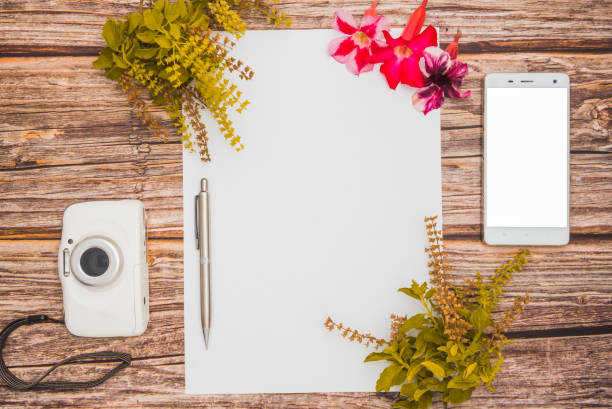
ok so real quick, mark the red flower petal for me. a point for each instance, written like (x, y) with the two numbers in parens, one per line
(372, 10)
(362, 59)
(393, 42)
(345, 47)
(391, 70)
(411, 72)
(428, 38)
(340, 48)
(344, 22)
(380, 54)
(453, 48)
(370, 29)
(415, 23)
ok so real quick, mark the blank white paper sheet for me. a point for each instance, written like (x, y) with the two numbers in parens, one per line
(321, 214)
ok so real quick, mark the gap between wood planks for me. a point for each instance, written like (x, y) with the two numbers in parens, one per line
(575, 238)
(515, 335)
(590, 46)
(173, 142)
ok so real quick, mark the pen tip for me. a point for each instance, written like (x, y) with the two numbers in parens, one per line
(204, 185)
(206, 336)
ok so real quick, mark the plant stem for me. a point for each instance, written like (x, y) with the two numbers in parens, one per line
(429, 311)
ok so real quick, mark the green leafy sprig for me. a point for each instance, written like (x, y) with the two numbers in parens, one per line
(456, 344)
(172, 51)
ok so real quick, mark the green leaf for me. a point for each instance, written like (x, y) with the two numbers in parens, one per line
(159, 5)
(457, 396)
(419, 352)
(130, 46)
(175, 31)
(146, 53)
(163, 42)
(119, 61)
(201, 21)
(406, 352)
(423, 287)
(413, 322)
(434, 368)
(377, 356)
(153, 19)
(414, 369)
(391, 348)
(425, 401)
(429, 293)
(114, 73)
(400, 377)
(441, 386)
(408, 389)
(160, 100)
(123, 27)
(464, 312)
(134, 20)
(105, 60)
(385, 380)
(171, 12)
(409, 292)
(146, 36)
(181, 8)
(195, 12)
(461, 383)
(429, 382)
(432, 336)
(480, 319)
(111, 34)
(470, 369)
(418, 393)
(453, 350)
(420, 345)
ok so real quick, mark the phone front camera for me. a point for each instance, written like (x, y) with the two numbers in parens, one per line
(554, 81)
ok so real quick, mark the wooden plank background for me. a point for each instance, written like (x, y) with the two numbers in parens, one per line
(67, 135)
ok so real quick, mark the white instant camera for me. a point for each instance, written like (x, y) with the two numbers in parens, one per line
(103, 268)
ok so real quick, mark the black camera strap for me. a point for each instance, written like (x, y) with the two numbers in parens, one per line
(17, 384)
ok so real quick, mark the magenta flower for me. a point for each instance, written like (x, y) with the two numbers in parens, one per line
(443, 76)
(354, 50)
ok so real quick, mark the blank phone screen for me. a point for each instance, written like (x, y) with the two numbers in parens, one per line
(526, 155)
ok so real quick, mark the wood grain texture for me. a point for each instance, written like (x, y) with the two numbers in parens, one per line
(537, 373)
(33, 200)
(29, 284)
(35, 93)
(67, 135)
(74, 27)
(80, 114)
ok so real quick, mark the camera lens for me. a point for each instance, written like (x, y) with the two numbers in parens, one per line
(554, 81)
(94, 262)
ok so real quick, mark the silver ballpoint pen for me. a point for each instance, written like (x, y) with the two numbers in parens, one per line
(203, 244)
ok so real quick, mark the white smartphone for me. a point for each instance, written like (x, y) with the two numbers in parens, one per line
(526, 159)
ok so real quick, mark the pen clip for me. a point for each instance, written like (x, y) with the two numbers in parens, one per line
(197, 232)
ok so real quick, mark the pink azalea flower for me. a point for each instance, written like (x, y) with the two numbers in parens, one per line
(354, 50)
(443, 76)
(400, 57)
